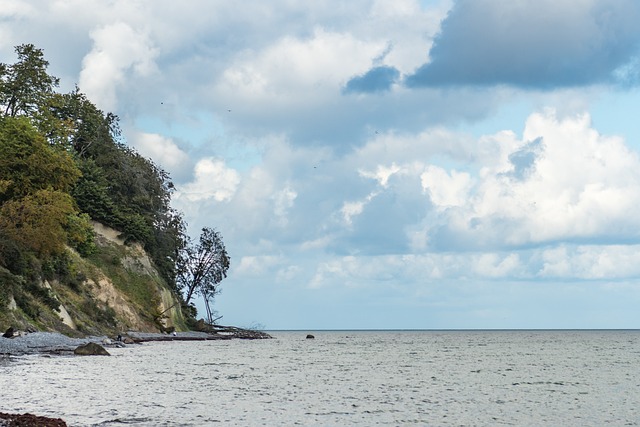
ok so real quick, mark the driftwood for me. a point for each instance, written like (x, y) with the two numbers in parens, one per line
(234, 332)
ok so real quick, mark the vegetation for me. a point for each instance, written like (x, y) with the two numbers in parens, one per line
(202, 266)
(63, 163)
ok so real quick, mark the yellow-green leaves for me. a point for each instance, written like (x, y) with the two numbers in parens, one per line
(28, 163)
(38, 220)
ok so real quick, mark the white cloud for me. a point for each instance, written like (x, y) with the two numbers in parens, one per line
(591, 262)
(561, 181)
(15, 9)
(351, 209)
(257, 266)
(316, 66)
(382, 173)
(283, 201)
(494, 266)
(213, 181)
(446, 189)
(118, 50)
(162, 150)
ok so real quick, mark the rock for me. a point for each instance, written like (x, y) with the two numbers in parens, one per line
(91, 349)
(128, 340)
(201, 326)
(26, 420)
(9, 333)
(310, 337)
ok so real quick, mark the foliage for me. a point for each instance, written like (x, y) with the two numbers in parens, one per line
(13, 256)
(8, 283)
(80, 234)
(29, 164)
(202, 267)
(38, 221)
(61, 268)
(92, 193)
(26, 84)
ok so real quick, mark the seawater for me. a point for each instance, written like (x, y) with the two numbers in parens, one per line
(343, 378)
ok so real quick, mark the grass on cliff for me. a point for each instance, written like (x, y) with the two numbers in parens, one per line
(140, 288)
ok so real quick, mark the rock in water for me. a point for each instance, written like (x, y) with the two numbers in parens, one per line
(310, 337)
(9, 333)
(91, 349)
(26, 420)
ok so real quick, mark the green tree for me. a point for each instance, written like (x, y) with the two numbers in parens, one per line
(202, 266)
(38, 221)
(28, 163)
(25, 85)
(71, 120)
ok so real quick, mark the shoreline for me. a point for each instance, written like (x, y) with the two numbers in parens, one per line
(55, 343)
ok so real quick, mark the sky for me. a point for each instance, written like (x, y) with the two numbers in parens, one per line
(373, 164)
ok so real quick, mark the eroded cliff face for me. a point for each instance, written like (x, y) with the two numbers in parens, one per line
(116, 290)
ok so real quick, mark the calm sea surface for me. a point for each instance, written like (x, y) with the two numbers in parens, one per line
(431, 378)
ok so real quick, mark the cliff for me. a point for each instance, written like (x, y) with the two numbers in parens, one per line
(115, 289)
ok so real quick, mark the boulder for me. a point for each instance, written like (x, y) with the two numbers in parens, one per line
(29, 420)
(310, 337)
(201, 326)
(9, 333)
(91, 349)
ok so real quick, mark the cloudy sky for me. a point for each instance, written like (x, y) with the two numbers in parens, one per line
(381, 164)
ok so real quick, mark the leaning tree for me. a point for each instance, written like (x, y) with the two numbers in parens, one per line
(201, 267)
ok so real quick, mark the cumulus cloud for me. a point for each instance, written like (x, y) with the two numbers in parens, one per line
(561, 181)
(446, 189)
(118, 50)
(163, 151)
(213, 181)
(314, 64)
(534, 44)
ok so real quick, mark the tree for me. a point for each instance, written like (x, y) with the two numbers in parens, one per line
(25, 85)
(202, 267)
(28, 163)
(39, 221)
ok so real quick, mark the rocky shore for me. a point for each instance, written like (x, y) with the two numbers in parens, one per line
(29, 420)
(43, 343)
(57, 343)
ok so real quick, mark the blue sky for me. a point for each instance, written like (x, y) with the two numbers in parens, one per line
(381, 164)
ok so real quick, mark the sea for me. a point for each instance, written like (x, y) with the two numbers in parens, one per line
(342, 378)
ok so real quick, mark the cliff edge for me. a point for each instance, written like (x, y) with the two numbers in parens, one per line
(115, 289)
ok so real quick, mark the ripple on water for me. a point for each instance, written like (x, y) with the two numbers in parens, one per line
(388, 378)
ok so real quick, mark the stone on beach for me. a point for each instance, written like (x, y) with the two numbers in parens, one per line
(91, 349)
